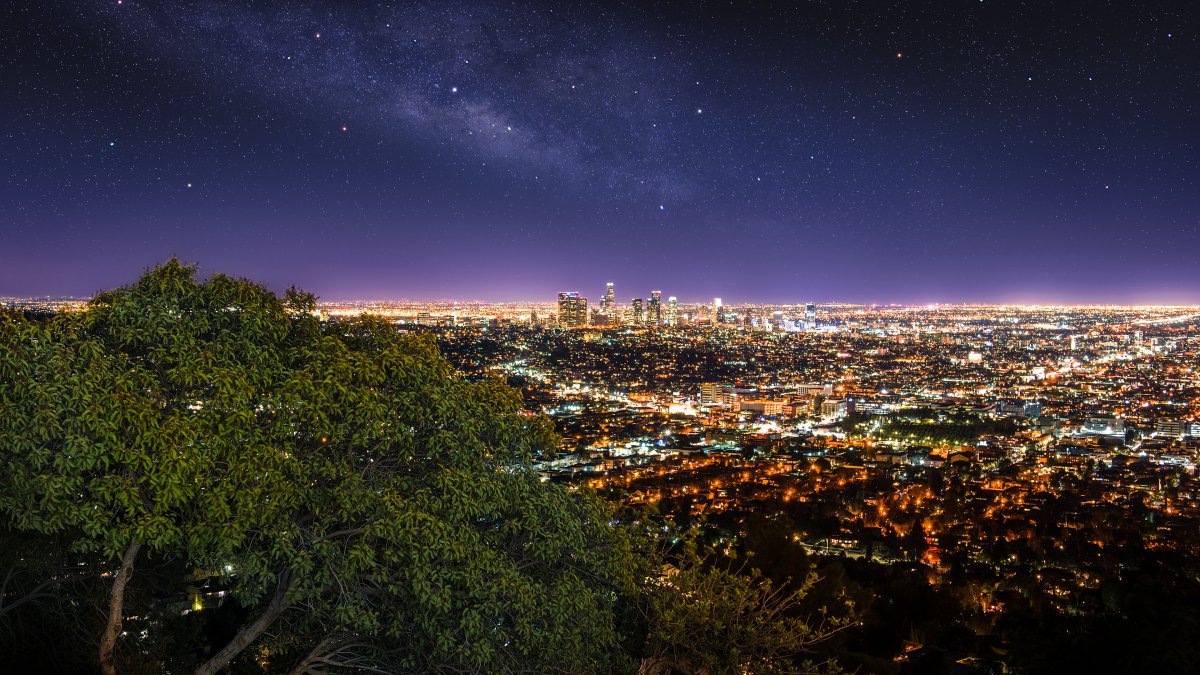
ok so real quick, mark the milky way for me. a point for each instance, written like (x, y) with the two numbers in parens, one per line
(906, 152)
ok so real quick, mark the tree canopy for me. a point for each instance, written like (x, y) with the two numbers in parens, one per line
(337, 468)
(235, 483)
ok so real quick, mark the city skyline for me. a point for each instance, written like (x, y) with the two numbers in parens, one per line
(550, 300)
(976, 152)
(667, 337)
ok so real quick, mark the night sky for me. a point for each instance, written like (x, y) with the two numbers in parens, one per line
(841, 151)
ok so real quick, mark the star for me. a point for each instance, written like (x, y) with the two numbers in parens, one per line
(592, 143)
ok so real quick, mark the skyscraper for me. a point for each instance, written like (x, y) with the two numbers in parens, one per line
(606, 304)
(672, 311)
(572, 310)
(717, 317)
(639, 312)
(654, 310)
(810, 316)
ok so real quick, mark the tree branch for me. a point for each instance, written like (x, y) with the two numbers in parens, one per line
(245, 637)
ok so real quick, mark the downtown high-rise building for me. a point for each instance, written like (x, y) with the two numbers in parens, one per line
(638, 312)
(810, 316)
(672, 311)
(608, 302)
(654, 309)
(717, 317)
(572, 310)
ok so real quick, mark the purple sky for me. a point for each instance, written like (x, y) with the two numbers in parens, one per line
(927, 152)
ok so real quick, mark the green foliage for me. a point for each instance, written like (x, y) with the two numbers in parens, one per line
(408, 514)
(707, 618)
(123, 421)
(337, 467)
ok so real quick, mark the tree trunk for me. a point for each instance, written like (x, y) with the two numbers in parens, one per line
(116, 611)
(249, 634)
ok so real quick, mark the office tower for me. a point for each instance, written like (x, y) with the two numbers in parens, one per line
(810, 316)
(572, 310)
(672, 311)
(609, 300)
(639, 312)
(717, 317)
(654, 310)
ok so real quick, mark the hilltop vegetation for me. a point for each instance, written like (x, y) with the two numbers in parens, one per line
(199, 475)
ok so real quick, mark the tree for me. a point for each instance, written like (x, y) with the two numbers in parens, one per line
(356, 496)
(44, 619)
(410, 519)
(119, 422)
(705, 619)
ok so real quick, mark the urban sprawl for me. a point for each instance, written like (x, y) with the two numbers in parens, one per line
(1031, 453)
